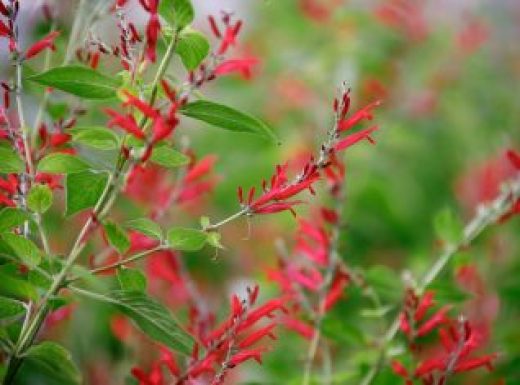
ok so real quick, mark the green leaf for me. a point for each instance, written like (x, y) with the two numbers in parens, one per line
(227, 118)
(131, 279)
(193, 47)
(12, 217)
(448, 291)
(96, 137)
(59, 163)
(52, 360)
(117, 237)
(145, 226)
(11, 162)
(83, 190)
(448, 227)
(80, 81)
(10, 309)
(168, 157)
(12, 286)
(39, 198)
(384, 281)
(58, 111)
(23, 248)
(150, 316)
(186, 239)
(178, 13)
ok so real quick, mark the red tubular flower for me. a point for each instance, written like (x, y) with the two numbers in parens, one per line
(336, 290)
(152, 34)
(437, 319)
(4, 200)
(229, 38)
(266, 310)
(514, 158)
(126, 122)
(255, 354)
(161, 129)
(425, 304)
(399, 369)
(202, 167)
(257, 335)
(428, 366)
(142, 106)
(59, 139)
(4, 30)
(272, 200)
(242, 66)
(404, 324)
(300, 327)
(475, 363)
(46, 42)
(356, 137)
(51, 180)
(365, 113)
(10, 185)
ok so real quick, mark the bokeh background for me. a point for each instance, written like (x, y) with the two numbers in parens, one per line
(448, 74)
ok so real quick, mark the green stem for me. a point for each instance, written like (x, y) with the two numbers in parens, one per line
(103, 205)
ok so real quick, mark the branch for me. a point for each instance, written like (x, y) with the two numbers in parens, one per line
(485, 217)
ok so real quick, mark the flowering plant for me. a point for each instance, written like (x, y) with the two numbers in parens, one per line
(104, 206)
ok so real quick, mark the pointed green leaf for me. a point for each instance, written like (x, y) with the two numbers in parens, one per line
(117, 237)
(10, 161)
(150, 316)
(145, 226)
(186, 239)
(59, 163)
(11, 217)
(80, 81)
(12, 286)
(23, 248)
(96, 137)
(39, 198)
(10, 309)
(227, 118)
(178, 13)
(131, 279)
(51, 360)
(193, 47)
(168, 157)
(83, 190)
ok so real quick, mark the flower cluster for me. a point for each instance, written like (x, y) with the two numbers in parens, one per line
(225, 347)
(458, 339)
(276, 193)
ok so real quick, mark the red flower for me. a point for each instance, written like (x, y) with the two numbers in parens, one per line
(59, 139)
(336, 290)
(242, 66)
(4, 30)
(126, 122)
(272, 200)
(229, 38)
(255, 354)
(46, 42)
(152, 29)
(354, 138)
(142, 106)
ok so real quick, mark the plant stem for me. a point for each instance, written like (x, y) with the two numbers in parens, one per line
(74, 33)
(103, 205)
(231, 218)
(484, 218)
